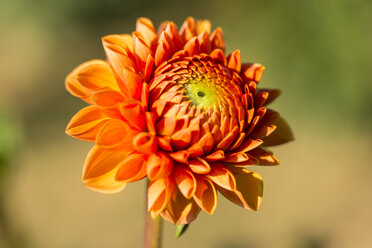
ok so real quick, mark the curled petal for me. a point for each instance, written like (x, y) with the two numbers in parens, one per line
(116, 133)
(281, 135)
(249, 188)
(132, 169)
(159, 165)
(205, 195)
(180, 156)
(263, 131)
(100, 169)
(192, 46)
(199, 166)
(131, 84)
(86, 123)
(185, 181)
(221, 176)
(145, 143)
(180, 210)
(159, 194)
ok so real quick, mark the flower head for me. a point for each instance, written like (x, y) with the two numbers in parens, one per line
(170, 106)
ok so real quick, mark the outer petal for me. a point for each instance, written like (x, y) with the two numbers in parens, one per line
(185, 181)
(221, 176)
(248, 193)
(132, 169)
(159, 165)
(252, 72)
(116, 134)
(90, 77)
(100, 169)
(180, 210)
(159, 194)
(86, 123)
(281, 135)
(146, 28)
(205, 195)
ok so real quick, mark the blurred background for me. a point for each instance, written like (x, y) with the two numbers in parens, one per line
(318, 53)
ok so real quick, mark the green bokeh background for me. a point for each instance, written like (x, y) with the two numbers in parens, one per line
(318, 53)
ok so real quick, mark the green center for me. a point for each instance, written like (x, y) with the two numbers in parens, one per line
(201, 93)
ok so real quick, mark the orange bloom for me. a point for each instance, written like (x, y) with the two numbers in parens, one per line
(170, 106)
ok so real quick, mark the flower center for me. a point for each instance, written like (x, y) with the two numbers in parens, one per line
(201, 93)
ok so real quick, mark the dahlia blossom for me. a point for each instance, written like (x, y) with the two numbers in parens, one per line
(172, 107)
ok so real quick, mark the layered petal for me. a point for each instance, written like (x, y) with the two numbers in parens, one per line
(100, 168)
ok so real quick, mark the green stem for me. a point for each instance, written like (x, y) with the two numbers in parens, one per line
(153, 229)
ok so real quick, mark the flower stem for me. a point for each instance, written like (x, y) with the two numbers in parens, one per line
(153, 229)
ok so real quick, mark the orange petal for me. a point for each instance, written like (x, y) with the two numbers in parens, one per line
(96, 75)
(107, 98)
(100, 168)
(159, 165)
(199, 166)
(132, 83)
(185, 181)
(89, 77)
(188, 29)
(159, 194)
(249, 188)
(192, 46)
(203, 26)
(116, 133)
(217, 39)
(133, 114)
(145, 143)
(180, 156)
(281, 135)
(147, 30)
(120, 53)
(234, 61)
(86, 123)
(248, 145)
(221, 176)
(180, 210)
(133, 168)
(273, 94)
(205, 195)
(263, 131)
(252, 72)
(264, 157)
(217, 155)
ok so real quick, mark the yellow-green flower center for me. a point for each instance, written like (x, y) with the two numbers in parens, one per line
(201, 93)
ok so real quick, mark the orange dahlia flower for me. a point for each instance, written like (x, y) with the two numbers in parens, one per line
(170, 106)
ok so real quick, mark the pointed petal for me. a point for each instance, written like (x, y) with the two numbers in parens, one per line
(281, 135)
(217, 39)
(252, 72)
(188, 29)
(221, 176)
(203, 26)
(264, 157)
(147, 30)
(199, 166)
(234, 61)
(86, 123)
(249, 188)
